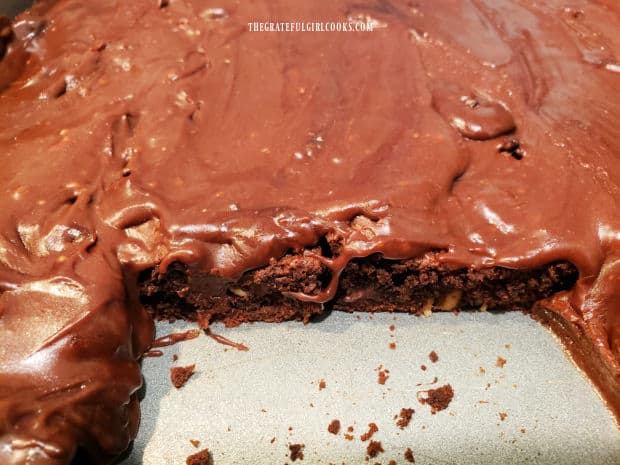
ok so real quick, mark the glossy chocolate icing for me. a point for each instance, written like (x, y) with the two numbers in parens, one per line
(145, 132)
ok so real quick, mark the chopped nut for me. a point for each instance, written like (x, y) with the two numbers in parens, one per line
(364, 226)
(238, 292)
(451, 300)
(427, 309)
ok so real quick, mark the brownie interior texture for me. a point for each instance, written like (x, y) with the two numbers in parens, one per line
(417, 285)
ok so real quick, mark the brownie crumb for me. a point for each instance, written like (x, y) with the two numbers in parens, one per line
(348, 437)
(195, 443)
(296, 451)
(392, 462)
(423, 367)
(405, 417)
(180, 375)
(503, 416)
(383, 374)
(199, 458)
(433, 357)
(374, 448)
(438, 399)
(523, 430)
(350, 429)
(273, 439)
(372, 429)
(334, 427)
(392, 327)
(500, 362)
(175, 357)
(409, 455)
(392, 345)
(322, 385)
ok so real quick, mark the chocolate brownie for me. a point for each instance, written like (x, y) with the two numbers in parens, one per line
(169, 159)
(368, 284)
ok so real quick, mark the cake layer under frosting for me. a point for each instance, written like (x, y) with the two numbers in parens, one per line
(141, 133)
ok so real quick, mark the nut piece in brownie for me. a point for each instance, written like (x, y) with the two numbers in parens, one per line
(418, 285)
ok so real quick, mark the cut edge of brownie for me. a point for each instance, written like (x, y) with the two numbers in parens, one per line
(371, 284)
(584, 353)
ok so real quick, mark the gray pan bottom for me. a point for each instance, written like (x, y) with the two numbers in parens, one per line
(237, 402)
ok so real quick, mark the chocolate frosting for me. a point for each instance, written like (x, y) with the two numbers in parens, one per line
(145, 132)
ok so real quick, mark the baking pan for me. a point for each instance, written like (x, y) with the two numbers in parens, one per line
(517, 396)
